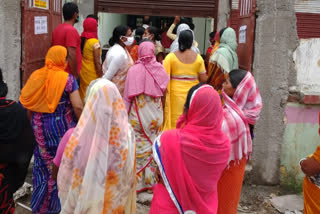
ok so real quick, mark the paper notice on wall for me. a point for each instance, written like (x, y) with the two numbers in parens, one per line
(243, 34)
(41, 4)
(40, 25)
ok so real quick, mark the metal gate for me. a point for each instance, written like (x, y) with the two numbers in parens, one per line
(39, 18)
(243, 21)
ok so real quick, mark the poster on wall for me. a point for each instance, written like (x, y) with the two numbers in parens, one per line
(242, 34)
(40, 25)
(43, 4)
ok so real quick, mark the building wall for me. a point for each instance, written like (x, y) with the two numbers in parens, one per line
(275, 41)
(203, 26)
(10, 45)
(301, 138)
(107, 22)
(307, 60)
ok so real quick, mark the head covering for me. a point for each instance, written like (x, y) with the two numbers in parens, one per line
(226, 56)
(99, 159)
(175, 45)
(147, 76)
(44, 88)
(90, 28)
(217, 36)
(240, 111)
(191, 158)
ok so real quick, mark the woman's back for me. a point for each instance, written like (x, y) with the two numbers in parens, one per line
(87, 54)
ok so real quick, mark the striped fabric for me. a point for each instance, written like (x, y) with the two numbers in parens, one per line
(240, 111)
(48, 130)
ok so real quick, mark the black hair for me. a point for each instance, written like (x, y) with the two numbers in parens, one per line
(146, 22)
(156, 32)
(3, 86)
(69, 9)
(190, 93)
(221, 31)
(185, 40)
(212, 34)
(236, 76)
(138, 34)
(83, 42)
(187, 21)
(119, 31)
(93, 16)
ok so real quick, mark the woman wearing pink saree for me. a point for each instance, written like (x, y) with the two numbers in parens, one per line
(145, 86)
(192, 157)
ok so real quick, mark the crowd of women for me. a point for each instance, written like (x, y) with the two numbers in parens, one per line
(156, 122)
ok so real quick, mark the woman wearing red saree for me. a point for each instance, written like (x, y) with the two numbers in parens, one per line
(192, 157)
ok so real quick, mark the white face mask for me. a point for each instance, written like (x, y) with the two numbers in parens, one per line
(129, 41)
(146, 38)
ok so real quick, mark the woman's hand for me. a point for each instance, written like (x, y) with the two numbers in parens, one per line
(176, 20)
(310, 166)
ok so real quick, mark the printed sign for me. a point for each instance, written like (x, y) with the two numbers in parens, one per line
(40, 25)
(242, 34)
(41, 4)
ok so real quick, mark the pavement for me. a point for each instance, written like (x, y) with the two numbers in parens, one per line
(254, 200)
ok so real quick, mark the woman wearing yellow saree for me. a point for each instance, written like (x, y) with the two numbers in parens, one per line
(185, 69)
(90, 46)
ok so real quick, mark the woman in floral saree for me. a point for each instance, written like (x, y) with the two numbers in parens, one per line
(146, 83)
(97, 171)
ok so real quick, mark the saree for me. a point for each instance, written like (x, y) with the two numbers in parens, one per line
(88, 71)
(182, 78)
(97, 171)
(191, 158)
(45, 86)
(116, 65)
(240, 111)
(146, 83)
(16, 147)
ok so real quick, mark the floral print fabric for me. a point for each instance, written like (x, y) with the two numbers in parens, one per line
(146, 117)
(97, 172)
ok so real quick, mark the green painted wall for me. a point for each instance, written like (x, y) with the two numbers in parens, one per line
(300, 140)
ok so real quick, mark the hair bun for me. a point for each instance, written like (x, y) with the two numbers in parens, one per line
(111, 41)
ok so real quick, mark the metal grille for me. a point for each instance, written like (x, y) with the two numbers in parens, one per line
(245, 7)
(308, 6)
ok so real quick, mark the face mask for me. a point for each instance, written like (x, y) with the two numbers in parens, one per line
(78, 18)
(146, 38)
(129, 41)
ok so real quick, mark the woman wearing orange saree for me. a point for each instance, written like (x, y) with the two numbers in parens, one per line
(224, 58)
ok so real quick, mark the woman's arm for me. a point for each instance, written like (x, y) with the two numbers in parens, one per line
(96, 56)
(310, 166)
(76, 103)
(118, 62)
(170, 30)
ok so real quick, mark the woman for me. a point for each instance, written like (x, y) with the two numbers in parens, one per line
(52, 95)
(224, 59)
(242, 107)
(175, 45)
(16, 147)
(138, 37)
(118, 60)
(153, 34)
(91, 50)
(145, 86)
(99, 159)
(192, 157)
(311, 184)
(185, 69)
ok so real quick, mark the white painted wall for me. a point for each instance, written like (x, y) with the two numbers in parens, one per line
(107, 22)
(203, 26)
(307, 60)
